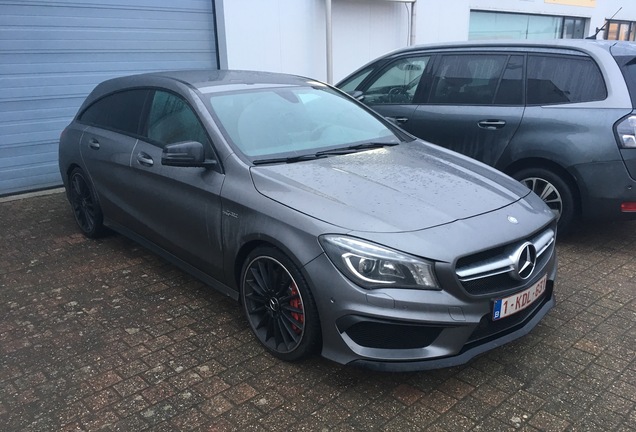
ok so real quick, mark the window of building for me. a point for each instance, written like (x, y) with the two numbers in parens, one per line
(620, 30)
(504, 25)
(561, 79)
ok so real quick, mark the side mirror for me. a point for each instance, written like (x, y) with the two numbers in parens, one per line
(185, 154)
(357, 94)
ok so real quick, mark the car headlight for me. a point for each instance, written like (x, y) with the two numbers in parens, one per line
(373, 266)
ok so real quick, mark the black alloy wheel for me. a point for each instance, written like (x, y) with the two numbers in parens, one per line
(86, 209)
(278, 305)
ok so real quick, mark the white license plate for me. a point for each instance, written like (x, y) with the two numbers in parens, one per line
(510, 305)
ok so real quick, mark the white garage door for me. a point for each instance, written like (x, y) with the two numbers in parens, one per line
(53, 53)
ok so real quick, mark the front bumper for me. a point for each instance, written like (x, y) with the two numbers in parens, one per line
(408, 329)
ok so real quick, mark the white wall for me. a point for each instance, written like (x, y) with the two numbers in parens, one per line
(275, 35)
(289, 35)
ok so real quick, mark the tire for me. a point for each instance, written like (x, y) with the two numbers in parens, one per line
(278, 305)
(554, 191)
(88, 214)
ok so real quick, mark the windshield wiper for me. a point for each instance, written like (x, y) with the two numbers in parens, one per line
(324, 153)
(290, 159)
(356, 147)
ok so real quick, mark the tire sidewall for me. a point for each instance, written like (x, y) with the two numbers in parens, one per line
(564, 189)
(98, 227)
(311, 337)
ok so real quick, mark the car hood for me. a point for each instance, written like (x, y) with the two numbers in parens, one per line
(408, 187)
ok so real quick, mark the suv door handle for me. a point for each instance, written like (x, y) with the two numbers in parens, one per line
(93, 143)
(491, 124)
(145, 159)
(398, 120)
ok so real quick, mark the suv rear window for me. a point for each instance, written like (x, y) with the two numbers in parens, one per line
(627, 65)
(562, 79)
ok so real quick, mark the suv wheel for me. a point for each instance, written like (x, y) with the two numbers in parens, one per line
(554, 191)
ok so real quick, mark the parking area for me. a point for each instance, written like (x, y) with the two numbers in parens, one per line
(106, 335)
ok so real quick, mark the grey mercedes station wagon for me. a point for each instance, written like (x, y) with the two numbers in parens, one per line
(338, 232)
(557, 115)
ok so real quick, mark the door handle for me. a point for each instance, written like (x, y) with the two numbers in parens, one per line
(398, 120)
(491, 124)
(145, 159)
(93, 143)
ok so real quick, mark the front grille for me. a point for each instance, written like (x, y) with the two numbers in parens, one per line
(388, 335)
(492, 271)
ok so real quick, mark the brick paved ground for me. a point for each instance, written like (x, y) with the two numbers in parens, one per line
(105, 335)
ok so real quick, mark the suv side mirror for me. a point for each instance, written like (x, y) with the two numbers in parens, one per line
(357, 94)
(185, 154)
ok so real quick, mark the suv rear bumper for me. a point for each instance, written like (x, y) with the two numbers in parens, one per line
(604, 187)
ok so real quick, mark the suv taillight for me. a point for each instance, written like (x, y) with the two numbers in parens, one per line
(626, 131)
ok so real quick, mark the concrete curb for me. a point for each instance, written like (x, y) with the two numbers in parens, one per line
(31, 194)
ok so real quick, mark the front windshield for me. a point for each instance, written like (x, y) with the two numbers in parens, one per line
(294, 120)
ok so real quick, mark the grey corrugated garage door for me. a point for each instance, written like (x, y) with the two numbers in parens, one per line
(52, 54)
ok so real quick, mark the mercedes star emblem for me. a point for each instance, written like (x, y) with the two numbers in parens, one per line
(524, 260)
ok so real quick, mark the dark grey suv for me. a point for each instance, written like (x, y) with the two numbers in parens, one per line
(556, 115)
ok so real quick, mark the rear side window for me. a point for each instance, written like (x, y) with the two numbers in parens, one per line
(510, 91)
(560, 80)
(119, 111)
(628, 68)
(467, 79)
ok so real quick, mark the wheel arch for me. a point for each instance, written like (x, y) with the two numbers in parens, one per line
(253, 243)
(66, 178)
(551, 166)
(242, 254)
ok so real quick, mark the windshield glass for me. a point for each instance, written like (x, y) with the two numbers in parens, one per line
(292, 121)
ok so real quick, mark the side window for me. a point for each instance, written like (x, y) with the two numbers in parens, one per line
(172, 120)
(559, 79)
(352, 83)
(510, 91)
(119, 111)
(467, 79)
(398, 83)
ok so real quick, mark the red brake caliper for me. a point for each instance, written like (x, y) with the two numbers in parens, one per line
(297, 304)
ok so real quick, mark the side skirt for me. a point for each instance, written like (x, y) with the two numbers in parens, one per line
(202, 276)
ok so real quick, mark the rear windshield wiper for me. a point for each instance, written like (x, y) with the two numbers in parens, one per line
(290, 159)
